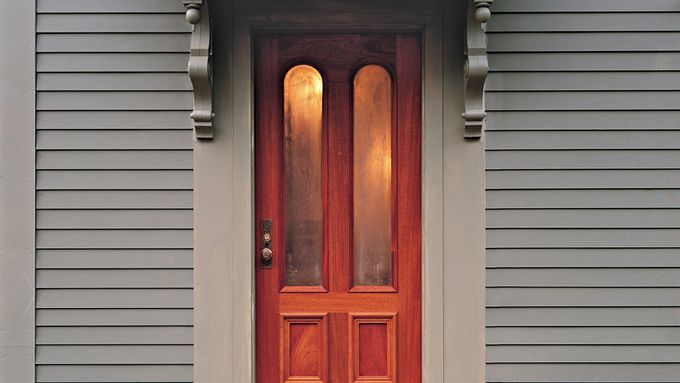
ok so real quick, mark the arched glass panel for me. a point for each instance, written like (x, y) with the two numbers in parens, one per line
(372, 177)
(302, 157)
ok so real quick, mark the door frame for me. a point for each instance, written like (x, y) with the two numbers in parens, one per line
(452, 187)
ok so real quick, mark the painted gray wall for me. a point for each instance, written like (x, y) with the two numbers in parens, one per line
(114, 192)
(582, 191)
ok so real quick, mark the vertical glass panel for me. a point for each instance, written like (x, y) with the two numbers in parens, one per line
(302, 151)
(372, 177)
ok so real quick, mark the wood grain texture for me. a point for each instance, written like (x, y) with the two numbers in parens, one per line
(337, 57)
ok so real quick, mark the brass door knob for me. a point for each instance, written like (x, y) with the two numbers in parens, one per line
(267, 254)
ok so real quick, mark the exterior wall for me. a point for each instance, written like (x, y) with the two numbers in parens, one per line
(114, 192)
(582, 192)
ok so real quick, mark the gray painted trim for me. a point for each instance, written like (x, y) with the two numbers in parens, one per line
(453, 198)
(17, 192)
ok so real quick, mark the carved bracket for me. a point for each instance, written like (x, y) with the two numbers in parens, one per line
(200, 66)
(476, 67)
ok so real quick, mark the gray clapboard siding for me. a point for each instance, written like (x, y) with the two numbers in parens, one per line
(74, 259)
(583, 191)
(114, 239)
(586, 42)
(582, 238)
(114, 81)
(575, 198)
(584, 335)
(582, 159)
(114, 159)
(125, 23)
(582, 218)
(148, 317)
(114, 207)
(114, 139)
(114, 335)
(126, 120)
(114, 199)
(582, 258)
(583, 61)
(107, 6)
(582, 22)
(112, 62)
(579, 6)
(114, 219)
(583, 372)
(583, 179)
(102, 100)
(579, 81)
(114, 354)
(641, 100)
(122, 373)
(114, 179)
(114, 298)
(583, 353)
(583, 297)
(110, 43)
(583, 277)
(534, 140)
(583, 120)
(576, 317)
(120, 278)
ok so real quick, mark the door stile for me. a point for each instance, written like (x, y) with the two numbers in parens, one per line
(409, 204)
(268, 205)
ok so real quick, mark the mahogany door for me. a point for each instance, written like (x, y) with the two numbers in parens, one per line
(338, 228)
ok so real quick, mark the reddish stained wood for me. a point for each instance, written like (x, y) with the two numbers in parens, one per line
(336, 57)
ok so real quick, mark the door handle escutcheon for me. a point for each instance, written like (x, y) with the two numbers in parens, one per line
(266, 254)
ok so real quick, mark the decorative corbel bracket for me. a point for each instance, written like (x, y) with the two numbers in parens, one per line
(476, 67)
(200, 66)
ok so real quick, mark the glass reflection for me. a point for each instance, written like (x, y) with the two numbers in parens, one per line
(302, 126)
(372, 177)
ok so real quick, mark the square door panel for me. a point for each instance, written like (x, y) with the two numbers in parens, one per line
(304, 348)
(373, 347)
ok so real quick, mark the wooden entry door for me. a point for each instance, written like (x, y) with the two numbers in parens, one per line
(338, 208)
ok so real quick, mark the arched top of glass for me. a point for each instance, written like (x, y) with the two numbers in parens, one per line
(303, 77)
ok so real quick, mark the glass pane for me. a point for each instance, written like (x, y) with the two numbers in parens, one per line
(372, 177)
(302, 150)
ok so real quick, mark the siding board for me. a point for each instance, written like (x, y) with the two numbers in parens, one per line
(583, 192)
(127, 120)
(114, 354)
(114, 179)
(68, 259)
(114, 199)
(122, 373)
(112, 62)
(114, 260)
(114, 159)
(114, 335)
(114, 298)
(115, 317)
(641, 21)
(114, 81)
(113, 139)
(125, 23)
(111, 43)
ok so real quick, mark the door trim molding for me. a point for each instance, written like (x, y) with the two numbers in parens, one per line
(452, 182)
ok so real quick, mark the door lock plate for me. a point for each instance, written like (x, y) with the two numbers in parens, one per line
(266, 254)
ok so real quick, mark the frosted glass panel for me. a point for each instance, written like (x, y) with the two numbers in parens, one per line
(302, 147)
(372, 177)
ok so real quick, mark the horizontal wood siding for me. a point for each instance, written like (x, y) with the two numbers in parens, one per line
(114, 192)
(583, 191)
